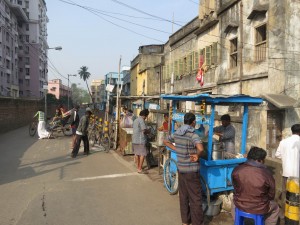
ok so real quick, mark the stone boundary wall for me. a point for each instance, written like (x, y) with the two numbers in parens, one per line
(15, 113)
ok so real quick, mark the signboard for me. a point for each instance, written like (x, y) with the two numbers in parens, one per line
(109, 87)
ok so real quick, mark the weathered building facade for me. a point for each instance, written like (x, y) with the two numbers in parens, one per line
(242, 47)
(144, 79)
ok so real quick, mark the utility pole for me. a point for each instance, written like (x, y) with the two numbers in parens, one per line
(117, 107)
(45, 87)
(107, 101)
(172, 84)
(240, 51)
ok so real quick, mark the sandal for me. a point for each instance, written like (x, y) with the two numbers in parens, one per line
(143, 172)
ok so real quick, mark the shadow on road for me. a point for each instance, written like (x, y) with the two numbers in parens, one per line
(22, 156)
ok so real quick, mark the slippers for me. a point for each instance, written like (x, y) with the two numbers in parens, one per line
(143, 172)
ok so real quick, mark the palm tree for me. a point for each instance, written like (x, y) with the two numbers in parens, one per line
(84, 75)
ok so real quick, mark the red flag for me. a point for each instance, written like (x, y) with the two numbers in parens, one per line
(200, 73)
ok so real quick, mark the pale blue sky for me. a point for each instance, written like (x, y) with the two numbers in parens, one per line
(88, 40)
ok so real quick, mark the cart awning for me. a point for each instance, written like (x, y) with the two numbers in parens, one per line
(280, 101)
(215, 99)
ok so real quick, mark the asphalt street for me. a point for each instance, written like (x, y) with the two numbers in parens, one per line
(40, 184)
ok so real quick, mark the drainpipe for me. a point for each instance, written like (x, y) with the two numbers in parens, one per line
(241, 47)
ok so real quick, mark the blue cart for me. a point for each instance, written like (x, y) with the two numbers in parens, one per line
(215, 174)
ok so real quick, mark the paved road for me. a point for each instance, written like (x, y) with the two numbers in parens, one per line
(41, 185)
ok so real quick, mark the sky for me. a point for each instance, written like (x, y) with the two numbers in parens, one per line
(96, 33)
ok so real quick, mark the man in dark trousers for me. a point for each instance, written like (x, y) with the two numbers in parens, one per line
(188, 149)
(254, 187)
(82, 134)
(74, 121)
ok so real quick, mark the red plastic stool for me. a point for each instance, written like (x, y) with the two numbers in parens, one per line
(241, 215)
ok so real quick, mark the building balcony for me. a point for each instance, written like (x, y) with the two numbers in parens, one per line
(18, 11)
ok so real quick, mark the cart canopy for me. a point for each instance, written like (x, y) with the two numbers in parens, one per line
(215, 99)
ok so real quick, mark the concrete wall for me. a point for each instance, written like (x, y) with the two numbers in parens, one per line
(15, 113)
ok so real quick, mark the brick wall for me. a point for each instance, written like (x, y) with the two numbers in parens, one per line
(15, 113)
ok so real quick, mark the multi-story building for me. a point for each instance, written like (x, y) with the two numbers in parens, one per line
(112, 80)
(11, 14)
(57, 88)
(23, 48)
(242, 47)
(144, 79)
(95, 90)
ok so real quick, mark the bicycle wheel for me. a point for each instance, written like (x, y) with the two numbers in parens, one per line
(92, 139)
(32, 128)
(105, 142)
(67, 130)
(170, 176)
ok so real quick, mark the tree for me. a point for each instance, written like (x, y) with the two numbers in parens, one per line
(79, 95)
(84, 75)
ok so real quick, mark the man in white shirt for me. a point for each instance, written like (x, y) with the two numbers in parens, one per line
(289, 151)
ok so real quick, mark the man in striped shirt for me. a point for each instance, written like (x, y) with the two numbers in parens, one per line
(188, 150)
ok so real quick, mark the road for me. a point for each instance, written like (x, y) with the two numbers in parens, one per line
(40, 184)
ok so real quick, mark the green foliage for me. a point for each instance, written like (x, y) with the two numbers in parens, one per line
(84, 75)
(79, 95)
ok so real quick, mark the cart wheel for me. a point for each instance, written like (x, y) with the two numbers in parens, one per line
(171, 176)
(206, 188)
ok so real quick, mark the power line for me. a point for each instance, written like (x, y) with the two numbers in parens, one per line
(130, 22)
(143, 12)
(74, 4)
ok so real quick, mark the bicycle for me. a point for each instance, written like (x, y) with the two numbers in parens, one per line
(61, 126)
(95, 132)
(33, 127)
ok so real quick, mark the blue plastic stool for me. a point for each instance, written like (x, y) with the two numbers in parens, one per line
(241, 215)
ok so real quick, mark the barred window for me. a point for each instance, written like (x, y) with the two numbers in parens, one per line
(261, 43)
(233, 52)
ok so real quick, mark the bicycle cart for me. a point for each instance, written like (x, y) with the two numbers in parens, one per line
(215, 173)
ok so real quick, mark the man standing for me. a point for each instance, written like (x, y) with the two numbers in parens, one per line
(82, 134)
(254, 187)
(74, 121)
(289, 151)
(139, 140)
(226, 133)
(188, 149)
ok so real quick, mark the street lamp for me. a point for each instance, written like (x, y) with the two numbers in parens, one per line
(69, 75)
(59, 48)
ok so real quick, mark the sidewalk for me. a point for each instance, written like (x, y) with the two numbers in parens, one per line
(224, 218)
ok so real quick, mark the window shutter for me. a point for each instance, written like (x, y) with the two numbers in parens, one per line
(214, 55)
(196, 60)
(180, 66)
(208, 55)
(176, 68)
